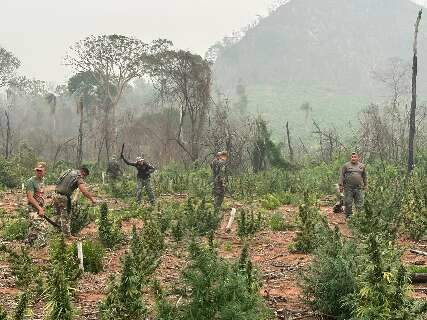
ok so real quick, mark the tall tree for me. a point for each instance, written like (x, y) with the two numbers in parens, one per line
(113, 61)
(8, 65)
(32, 91)
(412, 127)
(186, 79)
(80, 136)
(291, 150)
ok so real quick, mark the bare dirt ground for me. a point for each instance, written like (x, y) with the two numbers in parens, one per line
(278, 267)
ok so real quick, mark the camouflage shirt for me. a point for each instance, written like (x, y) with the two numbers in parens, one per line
(218, 169)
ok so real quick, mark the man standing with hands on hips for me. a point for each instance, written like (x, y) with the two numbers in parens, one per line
(353, 181)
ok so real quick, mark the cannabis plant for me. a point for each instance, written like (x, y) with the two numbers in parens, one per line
(109, 234)
(124, 297)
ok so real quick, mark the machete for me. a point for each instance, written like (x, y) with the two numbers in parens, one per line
(57, 226)
(123, 147)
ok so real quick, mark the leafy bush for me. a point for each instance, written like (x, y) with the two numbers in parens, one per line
(310, 224)
(287, 198)
(109, 234)
(133, 211)
(21, 307)
(93, 254)
(383, 285)
(382, 207)
(331, 276)
(26, 272)
(200, 217)
(270, 202)
(414, 207)
(218, 290)
(146, 249)
(176, 179)
(121, 189)
(63, 254)
(80, 218)
(248, 223)
(9, 174)
(124, 297)
(177, 231)
(63, 270)
(249, 185)
(15, 229)
(165, 215)
(277, 222)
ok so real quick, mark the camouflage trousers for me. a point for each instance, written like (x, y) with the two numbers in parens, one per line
(352, 194)
(38, 230)
(145, 183)
(62, 206)
(218, 193)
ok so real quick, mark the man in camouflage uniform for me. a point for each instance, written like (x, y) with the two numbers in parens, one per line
(218, 174)
(114, 171)
(353, 180)
(142, 178)
(37, 233)
(68, 182)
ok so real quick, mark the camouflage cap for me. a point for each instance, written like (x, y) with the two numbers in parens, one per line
(141, 158)
(40, 166)
(222, 153)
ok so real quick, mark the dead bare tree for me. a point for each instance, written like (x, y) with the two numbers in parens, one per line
(328, 140)
(186, 79)
(412, 124)
(59, 148)
(291, 150)
(80, 136)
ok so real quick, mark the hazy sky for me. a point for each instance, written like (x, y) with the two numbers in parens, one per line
(39, 32)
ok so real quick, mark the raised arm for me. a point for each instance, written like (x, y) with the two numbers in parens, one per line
(133, 164)
(151, 169)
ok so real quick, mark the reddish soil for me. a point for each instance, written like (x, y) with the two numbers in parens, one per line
(279, 268)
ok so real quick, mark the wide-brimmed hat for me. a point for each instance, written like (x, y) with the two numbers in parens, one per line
(138, 159)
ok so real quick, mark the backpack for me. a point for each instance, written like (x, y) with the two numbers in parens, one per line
(66, 183)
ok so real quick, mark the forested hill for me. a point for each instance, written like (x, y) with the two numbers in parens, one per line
(322, 52)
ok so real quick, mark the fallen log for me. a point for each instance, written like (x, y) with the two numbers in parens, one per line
(419, 278)
(420, 289)
(422, 253)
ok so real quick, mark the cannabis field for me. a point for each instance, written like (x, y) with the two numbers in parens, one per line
(286, 255)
